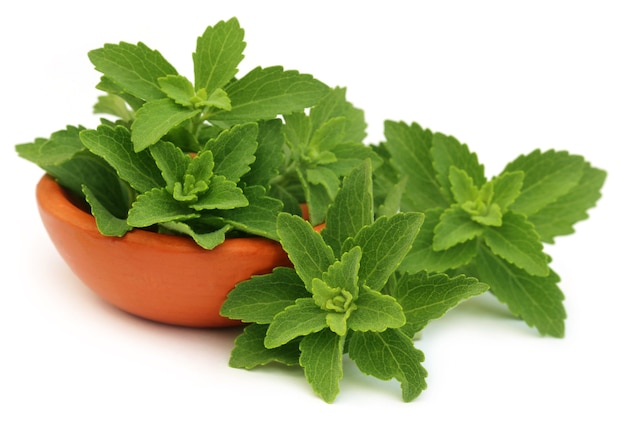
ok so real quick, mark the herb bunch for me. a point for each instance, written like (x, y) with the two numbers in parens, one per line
(344, 295)
(493, 229)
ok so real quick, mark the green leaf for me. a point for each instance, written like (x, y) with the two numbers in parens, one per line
(390, 354)
(334, 104)
(258, 217)
(317, 200)
(114, 105)
(343, 274)
(269, 154)
(324, 177)
(517, 242)
(410, 150)
(261, 298)
(264, 93)
(559, 217)
(205, 239)
(455, 226)
(233, 150)
(425, 297)
(326, 137)
(157, 206)
(422, 256)
(385, 243)
(300, 319)
(352, 208)
(112, 88)
(179, 89)
(537, 300)
(506, 188)
(172, 162)
(155, 119)
(376, 312)
(218, 53)
(462, 185)
(107, 223)
(114, 145)
(447, 152)
(308, 252)
(134, 68)
(221, 194)
(250, 352)
(60, 147)
(547, 176)
(322, 359)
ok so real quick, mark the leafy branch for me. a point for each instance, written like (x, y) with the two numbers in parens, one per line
(493, 229)
(344, 295)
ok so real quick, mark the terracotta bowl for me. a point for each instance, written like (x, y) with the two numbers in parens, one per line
(164, 278)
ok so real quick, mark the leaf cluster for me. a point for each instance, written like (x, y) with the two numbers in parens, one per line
(209, 157)
(344, 296)
(493, 229)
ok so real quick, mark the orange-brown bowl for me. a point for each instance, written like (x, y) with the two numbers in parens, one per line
(160, 277)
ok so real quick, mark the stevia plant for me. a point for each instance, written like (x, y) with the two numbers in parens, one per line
(344, 295)
(218, 156)
(412, 226)
(493, 229)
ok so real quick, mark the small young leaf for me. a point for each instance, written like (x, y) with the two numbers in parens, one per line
(461, 185)
(343, 274)
(425, 297)
(179, 89)
(218, 53)
(390, 354)
(506, 188)
(114, 145)
(455, 226)
(250, 352)
(261, 298)
(155, 119)
(323, 349)
(172, 162)
(537, 300)
(134, 68)
(157, 206)
(221, 194)
(447, 152)
(422, 256)
(308, 252)
(300, 319)
(517, 242)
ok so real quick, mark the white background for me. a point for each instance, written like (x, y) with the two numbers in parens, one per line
(504, 77)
